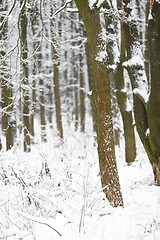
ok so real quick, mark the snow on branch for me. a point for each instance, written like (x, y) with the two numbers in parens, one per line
(97, 3)
(38, 220)
(63, 7)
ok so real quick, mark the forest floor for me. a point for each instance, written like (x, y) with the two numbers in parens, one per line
(54, 193)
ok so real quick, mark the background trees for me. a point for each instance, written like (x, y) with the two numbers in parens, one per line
(46, 70)
(8, 121)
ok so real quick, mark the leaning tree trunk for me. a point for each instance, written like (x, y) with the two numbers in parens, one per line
(154, 100)
(147, 111)
(101, 103)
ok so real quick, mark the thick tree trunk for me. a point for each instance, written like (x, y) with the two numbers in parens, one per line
(101, 104)
(154, 100)
(147, 113)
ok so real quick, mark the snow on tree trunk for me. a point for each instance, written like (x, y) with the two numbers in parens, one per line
(146, 106)
(116, 58)
(101, 103)
(154, 100)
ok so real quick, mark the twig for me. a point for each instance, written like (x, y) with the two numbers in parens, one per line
(8, 236)
(41, 221)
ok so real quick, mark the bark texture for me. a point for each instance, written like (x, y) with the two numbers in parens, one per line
(147, 113)
(153, 108)
(101, 103)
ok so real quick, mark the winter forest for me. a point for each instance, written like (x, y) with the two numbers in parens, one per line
(79, 119)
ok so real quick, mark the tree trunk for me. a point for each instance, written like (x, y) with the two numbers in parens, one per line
(147, 111)
(24, 67)
(42, 109)
(8, 121)
(33, 18)
(56, 62)
(101, 104)
(117, 76)
(57, 99)
(82, 95)
(8, 118)
(154, 100)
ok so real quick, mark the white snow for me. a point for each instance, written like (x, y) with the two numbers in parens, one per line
(35, 205)
(137, 59)
(101, 56)
(92, 2)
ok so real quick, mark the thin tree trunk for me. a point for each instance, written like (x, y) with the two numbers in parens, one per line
(56, 62)
(126, 112)
(57, 99)
(33, 14)
(25, 74)
(42, 109)
(37, 70)
(8, 118)
(82, 93)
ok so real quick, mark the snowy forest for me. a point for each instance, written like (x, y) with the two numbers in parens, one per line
(79, 119)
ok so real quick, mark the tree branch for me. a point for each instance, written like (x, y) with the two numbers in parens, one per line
(63, 7)
(38, 220)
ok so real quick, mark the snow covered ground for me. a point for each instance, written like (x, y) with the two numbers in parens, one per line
(54, 193)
